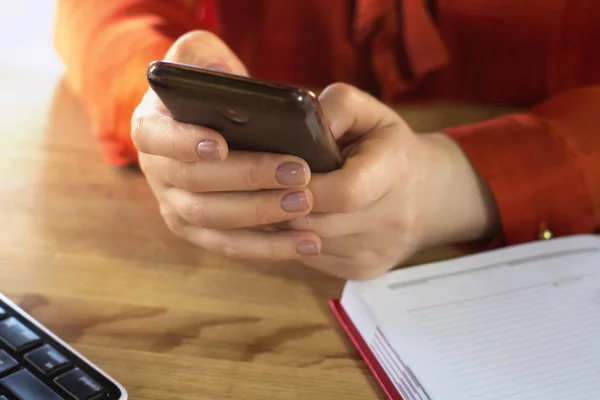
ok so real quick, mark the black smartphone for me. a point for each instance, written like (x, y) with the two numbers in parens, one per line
(251, 114)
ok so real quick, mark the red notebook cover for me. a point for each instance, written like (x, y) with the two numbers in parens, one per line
(365, 352)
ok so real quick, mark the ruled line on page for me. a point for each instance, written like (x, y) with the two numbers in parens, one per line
(506, 358)
(549, 391)
(485, 339)
(507, 346)
(463, 334)
(524, 366)
(483, 308)
(495, 369)
(589, 393)
(508, 349)
(507, 366)
(500, 351)
(502, 293)
(502, 304)
(511, 264)
(478, 327)
(535, 296)
(545, 330)
(526, 328)
(543, 376)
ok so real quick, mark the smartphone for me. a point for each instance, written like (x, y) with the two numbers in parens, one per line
(251, 114)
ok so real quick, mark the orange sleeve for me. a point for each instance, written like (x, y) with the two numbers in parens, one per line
(543, 166)
(106, 47)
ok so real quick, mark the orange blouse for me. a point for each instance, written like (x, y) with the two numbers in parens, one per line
(543, 166)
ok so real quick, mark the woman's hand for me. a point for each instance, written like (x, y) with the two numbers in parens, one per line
(224, 201)
(396, 193)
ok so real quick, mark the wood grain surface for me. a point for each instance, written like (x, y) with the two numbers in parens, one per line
(84, 250)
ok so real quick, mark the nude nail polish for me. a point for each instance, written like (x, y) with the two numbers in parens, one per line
(290, 174)
(308, 248)
(294, 202)
(209, 150)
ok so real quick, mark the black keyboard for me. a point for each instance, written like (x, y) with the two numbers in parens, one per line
(37, 365)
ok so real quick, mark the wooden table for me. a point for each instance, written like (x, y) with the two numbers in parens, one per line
(84, 250)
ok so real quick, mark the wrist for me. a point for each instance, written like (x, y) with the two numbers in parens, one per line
(462, 206)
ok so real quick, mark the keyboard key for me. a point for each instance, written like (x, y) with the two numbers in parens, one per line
(6, 362)
(47, 359)
(25, 386)
(79, 385)
(16, 335)
(2, 314)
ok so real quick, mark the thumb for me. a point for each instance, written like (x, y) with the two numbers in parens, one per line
(368, 173)
(351, 112)
(205, 49)
(375, 134)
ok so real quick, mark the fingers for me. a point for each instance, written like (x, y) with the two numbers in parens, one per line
(171, 154)
(203, 48)
(247, 243)
(153, 131)
(242, 171)
(366, 176)
(371, 168)
(360, 257)
(330, 225)
(352, 112)
(238, 210)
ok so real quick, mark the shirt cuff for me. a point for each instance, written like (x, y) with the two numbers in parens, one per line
(536, 182)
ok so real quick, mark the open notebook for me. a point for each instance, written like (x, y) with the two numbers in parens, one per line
(521, 323)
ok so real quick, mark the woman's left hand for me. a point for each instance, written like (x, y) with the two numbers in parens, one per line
(397, 192)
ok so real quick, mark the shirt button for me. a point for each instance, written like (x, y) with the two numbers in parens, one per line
(545, 233)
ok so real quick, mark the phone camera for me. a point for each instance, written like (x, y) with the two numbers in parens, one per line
(237, 117)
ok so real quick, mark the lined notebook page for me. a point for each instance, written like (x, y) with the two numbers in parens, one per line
(519, 324)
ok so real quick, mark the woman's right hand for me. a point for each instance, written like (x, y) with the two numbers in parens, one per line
(209, 195)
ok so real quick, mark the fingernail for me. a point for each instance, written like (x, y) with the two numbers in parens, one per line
(294, 202)
(308, 248)
(290, 174)
(216, 67)
(209, 150)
